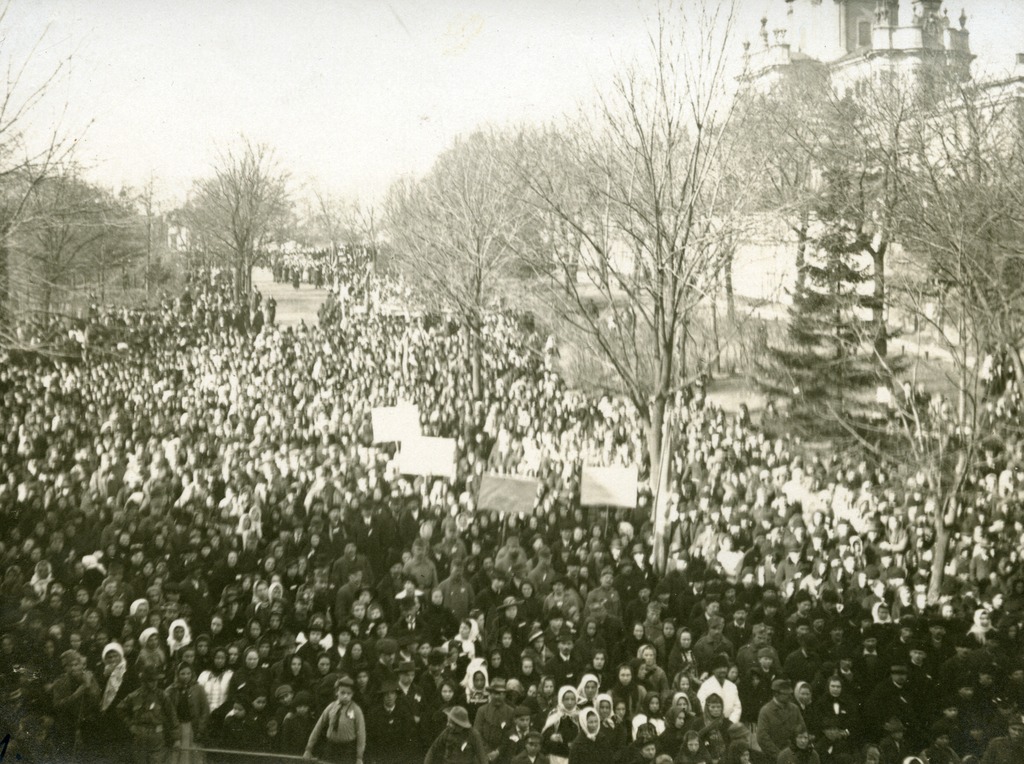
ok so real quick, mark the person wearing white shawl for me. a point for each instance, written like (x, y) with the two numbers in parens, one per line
(112, 736)
(178, 636)
(587, 690)
(475, 685)
(114, 668)
(468, 637)
(561, 727)
(589, 746)
(981, 627)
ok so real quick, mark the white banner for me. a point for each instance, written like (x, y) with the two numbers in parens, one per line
(395, 423)
(428, 456)
(608, 487)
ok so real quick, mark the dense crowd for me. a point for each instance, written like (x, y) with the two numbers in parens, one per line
(202, 548)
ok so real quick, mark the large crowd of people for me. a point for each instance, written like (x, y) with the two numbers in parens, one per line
(203, 551)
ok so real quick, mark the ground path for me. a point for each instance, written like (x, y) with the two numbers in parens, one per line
(293, 305)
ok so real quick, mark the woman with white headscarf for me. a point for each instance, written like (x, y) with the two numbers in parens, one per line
(589, 746)
(981, 627)
(561, 727)
(117, 683)
(474, 684)
(150, 651)
(178, 636)
(587, 691)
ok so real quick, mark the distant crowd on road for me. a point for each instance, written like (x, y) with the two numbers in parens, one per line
(202, 548)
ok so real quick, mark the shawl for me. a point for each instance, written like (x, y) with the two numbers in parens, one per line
(116, 676)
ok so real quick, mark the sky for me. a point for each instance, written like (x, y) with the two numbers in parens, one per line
(350, 93)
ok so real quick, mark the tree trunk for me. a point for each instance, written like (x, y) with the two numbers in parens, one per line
(5, 281)
(801, 255)
(654, 430)
(730, 296)
(878, 304)
(939, 551)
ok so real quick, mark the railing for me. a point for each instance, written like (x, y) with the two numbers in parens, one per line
(227, 753)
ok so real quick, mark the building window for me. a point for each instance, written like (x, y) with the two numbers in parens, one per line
(863, 34)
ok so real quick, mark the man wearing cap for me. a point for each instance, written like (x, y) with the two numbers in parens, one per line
(391, 733)
(342, 726)
(1010, 748)
(495, 719)
(458, 743)
(457, 591)
(719, 684)
(778, 720)
(384, 668)
(531, 750)
(748, 655)
(890, 698)
(151, 718)
(606, 593)
(515, 738)
(76, 700)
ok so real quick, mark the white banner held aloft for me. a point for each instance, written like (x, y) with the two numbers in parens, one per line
(508, 494)
(608, 487)
(395, 423)
(428, 456)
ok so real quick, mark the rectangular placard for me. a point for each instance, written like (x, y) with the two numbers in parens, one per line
(508, 494)
(395, 423)
(608, 487)
(428, 456)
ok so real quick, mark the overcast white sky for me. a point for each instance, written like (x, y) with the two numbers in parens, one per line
(352, 92)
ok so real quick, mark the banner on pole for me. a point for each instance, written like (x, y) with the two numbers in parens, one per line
(428, 456)
(508, 494)
(608, 487)
(395, 423)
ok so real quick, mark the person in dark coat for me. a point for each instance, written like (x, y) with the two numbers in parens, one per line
(458, 743)
(391, 733)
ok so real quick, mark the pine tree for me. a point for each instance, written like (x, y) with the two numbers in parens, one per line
(827, 358)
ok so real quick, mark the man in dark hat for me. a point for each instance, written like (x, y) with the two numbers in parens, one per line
(494, 719)
(341, 726)
(890, 698)
(778, 720)
(563, 666)
(458, 743)
(392, 736)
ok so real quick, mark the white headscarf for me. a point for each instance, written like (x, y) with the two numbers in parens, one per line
(174, 644)
(476, 666)
(560, 712)
(115, 677)
(582, 721)
(581, 690)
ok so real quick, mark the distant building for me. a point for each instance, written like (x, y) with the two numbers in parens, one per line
(852, 42)
(856, 39)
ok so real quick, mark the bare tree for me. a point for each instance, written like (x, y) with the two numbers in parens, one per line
(642, 205)
(963, 227)
(456, 233)
(234, 212)
(23, 163)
